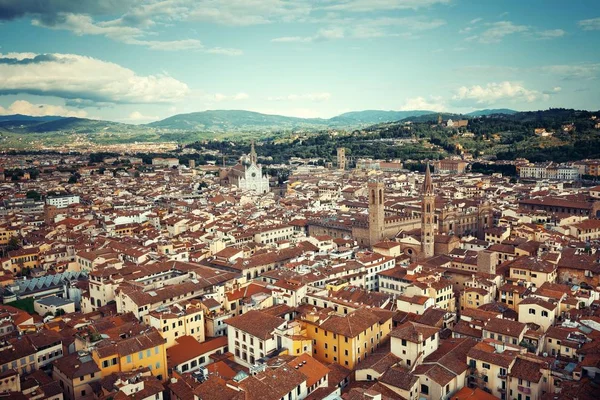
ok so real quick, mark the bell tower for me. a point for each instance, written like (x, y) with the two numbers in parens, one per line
(376, 212)
(341, 158)
(427, 217)
(253, 156)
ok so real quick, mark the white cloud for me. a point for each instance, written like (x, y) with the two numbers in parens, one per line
(39, 110)
(137, 116)
(71, 76)
(247, 12)
(476, 20)
(292, 39)
(498, 30)
(379, 5)
(218, 97)
(323, 34)
(119, 30)
(224, 51)
(330, 33)
(368, 28)
(169, 45)
(494, 92)
(434, 103)
(316, 97)
(550, 33)
(573, 71)
(592, 24)
(241, 96)
(291, 112)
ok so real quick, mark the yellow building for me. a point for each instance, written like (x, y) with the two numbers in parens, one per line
(440, 291)
(24, 258)
(173, 322)
(472, 297)
(532, 269)
(146, 350)
(76, 375)
(6, 233)
(346, 339)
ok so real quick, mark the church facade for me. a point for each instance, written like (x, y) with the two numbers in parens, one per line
(248, 175)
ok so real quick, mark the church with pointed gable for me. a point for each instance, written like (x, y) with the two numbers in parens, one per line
(248, 174)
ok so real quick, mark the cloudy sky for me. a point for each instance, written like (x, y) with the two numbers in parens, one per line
(141, 60)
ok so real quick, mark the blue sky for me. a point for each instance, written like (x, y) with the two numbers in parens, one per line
(140, 60)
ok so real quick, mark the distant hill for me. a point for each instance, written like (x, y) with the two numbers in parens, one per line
(28, 118)
(494, 111)
(236, 124)
(58, 124)
(374, 116)
(223, 120)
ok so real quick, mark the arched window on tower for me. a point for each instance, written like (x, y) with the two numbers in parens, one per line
(380, 196)
(372, 196)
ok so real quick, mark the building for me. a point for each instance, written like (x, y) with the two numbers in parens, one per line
(189, 355)
(247, 175)
(341, 158)
(449, 165)
(165, 162)
(178, 320)
(146, 350)
(251, 336)
(427, 217)
(413, 342)
(62, 201)
(76, 373)
(347, 339)
(53, 305)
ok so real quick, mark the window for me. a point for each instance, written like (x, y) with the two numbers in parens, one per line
(403, 342)
(544, 313)
(485, 366)
(425, 389)
(141, 355)
(129, 359)
(157, 365)
(532, 311)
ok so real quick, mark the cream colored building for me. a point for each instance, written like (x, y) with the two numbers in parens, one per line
(538, 311)
(180, 319)
(412, 342)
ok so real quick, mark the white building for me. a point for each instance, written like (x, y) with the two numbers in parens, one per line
(62, 201)
(249, 176)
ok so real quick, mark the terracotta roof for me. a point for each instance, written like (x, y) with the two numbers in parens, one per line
(412, 330)
(352, 324)
(256, 323)
(505, 327)
(399, 377)
(188, 347)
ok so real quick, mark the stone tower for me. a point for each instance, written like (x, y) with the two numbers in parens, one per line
(427, 216)
(253, 156)
(376, 212)
(341, 158)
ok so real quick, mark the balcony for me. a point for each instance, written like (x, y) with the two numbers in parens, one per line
(502, 375)
(524, 389)
(501, 389)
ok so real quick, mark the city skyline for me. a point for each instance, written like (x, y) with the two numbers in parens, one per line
(140, 61)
